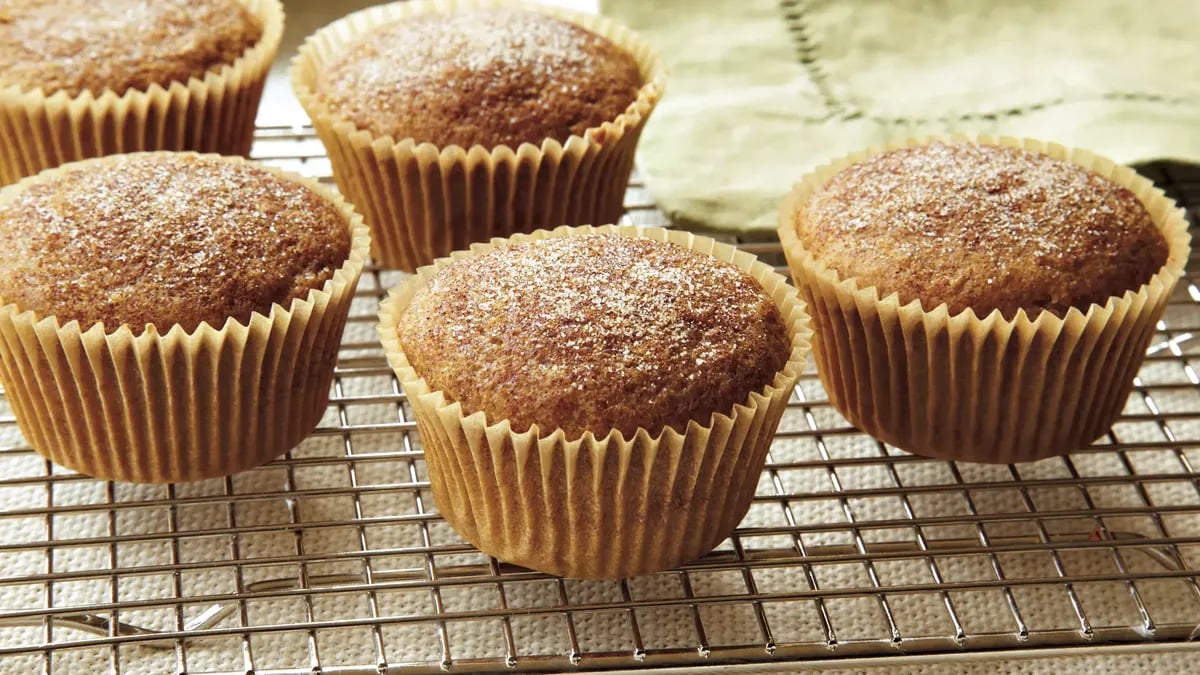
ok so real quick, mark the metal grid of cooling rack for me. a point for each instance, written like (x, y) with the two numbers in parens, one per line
(332, 559)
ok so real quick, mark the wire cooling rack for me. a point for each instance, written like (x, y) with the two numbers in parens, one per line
(333, 559)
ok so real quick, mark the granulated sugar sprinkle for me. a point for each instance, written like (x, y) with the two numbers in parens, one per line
(166, 239)
(594, 332)
(982, 226)
(93, 45)
(480, 77)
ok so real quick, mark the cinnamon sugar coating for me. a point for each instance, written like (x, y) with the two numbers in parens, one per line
(165, 239)
(593, 333)
(982, 227)
(94, 45)
(480, 77)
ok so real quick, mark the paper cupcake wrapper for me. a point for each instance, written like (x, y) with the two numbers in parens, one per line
(211, 114)
(422, 202)
(590, 507)
(985, 389)
(174, 406)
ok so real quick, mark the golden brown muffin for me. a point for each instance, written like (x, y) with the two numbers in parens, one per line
(167, 250)
(480, 77)
(695, 345)
(166, 239)
(94, 45)
(982, 227)
(593, 333)
(1065, 259)
(454, 123)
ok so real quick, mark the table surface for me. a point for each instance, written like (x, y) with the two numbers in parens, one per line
(313, 559)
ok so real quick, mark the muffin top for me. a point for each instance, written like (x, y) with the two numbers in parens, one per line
(165, 239)
(593, 333)
(94, 45)
(480, 77)
(982, 227)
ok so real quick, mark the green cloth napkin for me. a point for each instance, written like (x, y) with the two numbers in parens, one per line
(761, 91)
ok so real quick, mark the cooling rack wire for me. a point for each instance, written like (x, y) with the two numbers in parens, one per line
(333, 559)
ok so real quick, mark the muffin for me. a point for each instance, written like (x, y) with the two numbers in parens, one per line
(171, 316)
(450, 124)
(984, 299)
(84, 78)
(596, 402)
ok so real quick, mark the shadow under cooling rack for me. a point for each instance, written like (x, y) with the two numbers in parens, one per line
(333, 559)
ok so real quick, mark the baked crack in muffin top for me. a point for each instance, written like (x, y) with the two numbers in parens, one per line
(982, 227)
(480, 77)
(165, 239)
(593, 333)
(94, 45)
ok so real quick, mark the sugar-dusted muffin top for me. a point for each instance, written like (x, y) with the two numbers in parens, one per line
(94, 45)
(165, 239)
(593, 333)
(480, 77)
(983, 227)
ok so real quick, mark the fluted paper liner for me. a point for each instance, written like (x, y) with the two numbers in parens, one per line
(176, 405)
(214, 113)
(591, 507)
(422, 202)
(984, 389)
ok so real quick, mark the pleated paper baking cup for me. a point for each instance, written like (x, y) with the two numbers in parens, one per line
(984, 389)
(589, 507)
(171, 405)
(422, 201)
(214, 113)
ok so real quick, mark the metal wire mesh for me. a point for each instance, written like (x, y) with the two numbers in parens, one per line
(333, 558)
